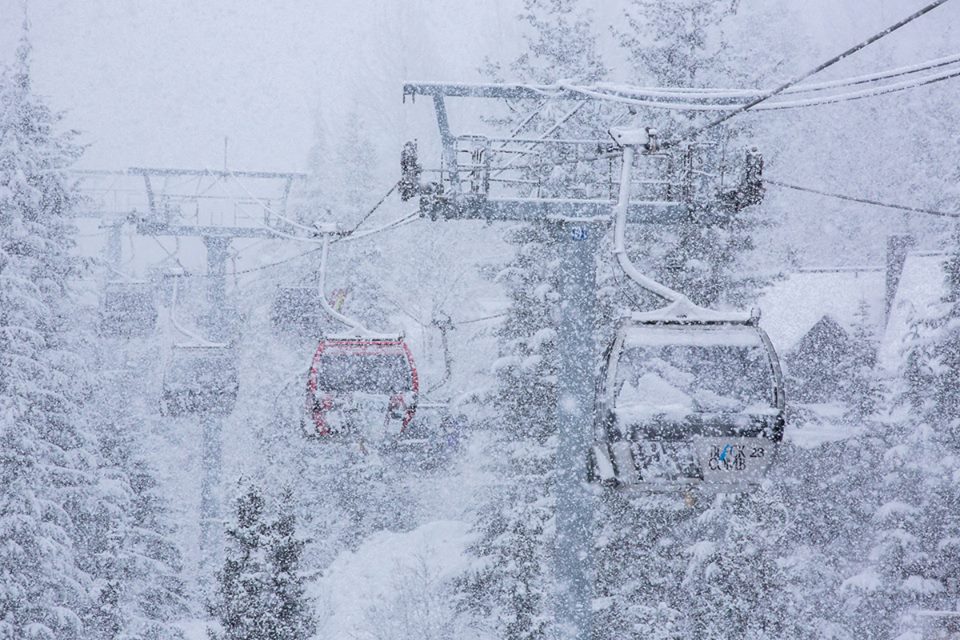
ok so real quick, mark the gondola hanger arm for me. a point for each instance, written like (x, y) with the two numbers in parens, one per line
(327, 307)
(630, 139)
(198, 341)
(678, 305)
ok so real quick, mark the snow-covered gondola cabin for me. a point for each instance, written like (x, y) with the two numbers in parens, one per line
(359, 381)
(686, 400)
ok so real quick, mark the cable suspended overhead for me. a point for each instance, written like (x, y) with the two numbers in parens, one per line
(862, 200)
(797, 80)
(717, 94)
(627, 96)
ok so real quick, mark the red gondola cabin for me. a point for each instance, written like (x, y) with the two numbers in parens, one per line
(349, 371)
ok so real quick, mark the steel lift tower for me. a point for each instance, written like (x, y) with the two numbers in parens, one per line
(217, 207)
(509, 179)
(217, 219)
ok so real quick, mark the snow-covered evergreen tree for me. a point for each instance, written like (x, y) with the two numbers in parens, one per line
(527, 369)
(639, 568)
(562, 43)
(916, 515)
(131, 555)
(675, 43)
(932, 357)
(260, 590)
(47, 460)
(733, 580)
(897, 573)
(354, 171)
(864, 389)
(508, 591)
(315, 205)
(509, 585)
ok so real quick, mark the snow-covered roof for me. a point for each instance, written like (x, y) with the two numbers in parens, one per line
(793, 305)
(921, 285)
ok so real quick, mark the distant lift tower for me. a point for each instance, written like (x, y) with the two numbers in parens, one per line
(514, 178)
(217, 207)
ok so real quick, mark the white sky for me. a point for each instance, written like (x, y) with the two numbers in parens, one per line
(161, 83)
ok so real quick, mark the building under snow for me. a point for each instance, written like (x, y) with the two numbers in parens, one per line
(812, 315)
(921, 285)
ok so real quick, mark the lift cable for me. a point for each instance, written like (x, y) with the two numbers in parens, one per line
(303, 227)
(495, 316)
(420, 322)
(375, 207)
(277, 263)
(864, 93)
(773, 106)
(341, 237)
(543, 137)
(820, 67)
(290, 236)
(840, 196)
(714, 93)
(400, 222)
(912, 83)
(344, 238)
(402, 309)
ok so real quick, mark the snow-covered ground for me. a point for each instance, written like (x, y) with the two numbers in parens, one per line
(395, 585)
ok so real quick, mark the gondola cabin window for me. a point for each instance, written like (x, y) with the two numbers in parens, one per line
(671, 380)
(364, 371)
(204, 371)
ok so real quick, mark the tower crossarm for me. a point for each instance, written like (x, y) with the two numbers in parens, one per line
(559, 159)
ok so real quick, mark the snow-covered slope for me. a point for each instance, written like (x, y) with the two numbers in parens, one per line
(395, 585)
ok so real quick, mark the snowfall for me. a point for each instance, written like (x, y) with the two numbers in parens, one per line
(315, 320)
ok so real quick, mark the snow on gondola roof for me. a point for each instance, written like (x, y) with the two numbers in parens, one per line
(362, 337)
(792, 306)
(700, 336)
(685, 311)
